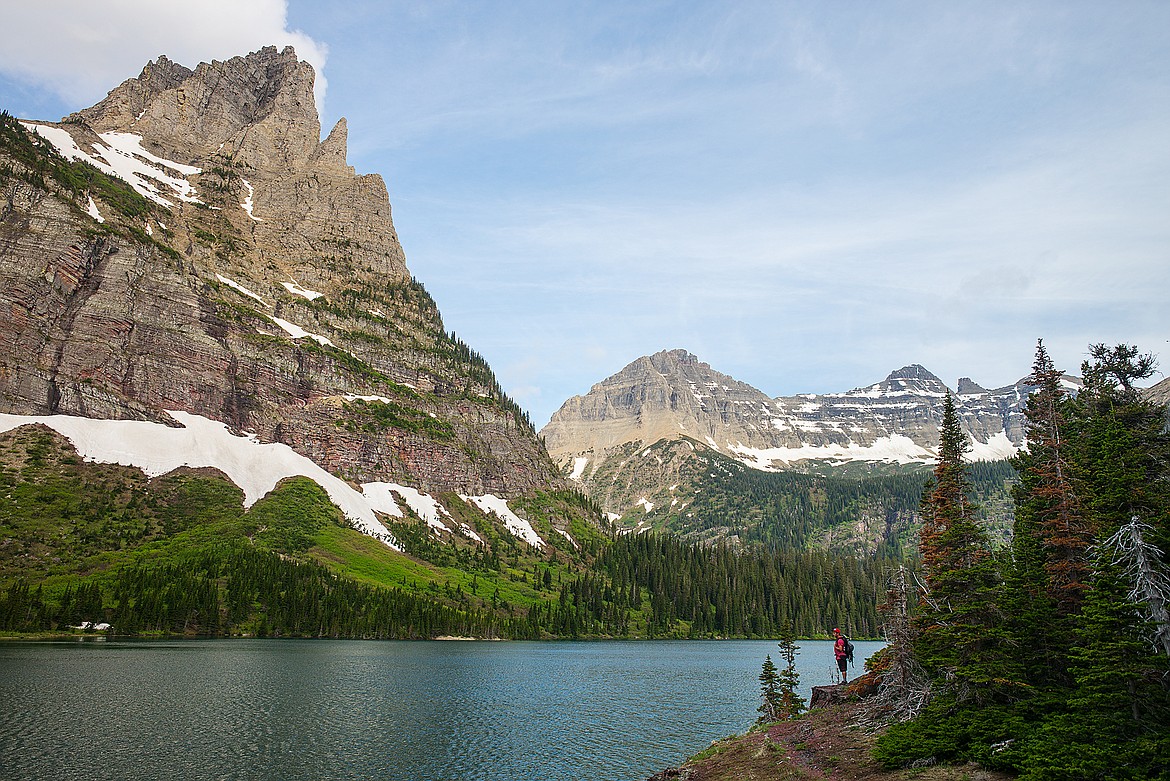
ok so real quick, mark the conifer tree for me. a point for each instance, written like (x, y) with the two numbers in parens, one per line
(1047, 507)
(771, 708)
(1113, 723)
(778, 688)
(1087, 594)
(960, 635)
(791, 703)
(1123, 445)
(1049, 570)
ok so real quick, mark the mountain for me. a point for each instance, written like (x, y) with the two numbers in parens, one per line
(673, 394)
(190, 276)
(630, 442)
(1159, 393)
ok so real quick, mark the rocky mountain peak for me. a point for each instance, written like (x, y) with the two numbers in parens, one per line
(968, 387)
(333, 150)
(226, 266)
(258, 108)
(674, 358)
(673, 396)
(912, 372)
(130, 99)
(913, 378)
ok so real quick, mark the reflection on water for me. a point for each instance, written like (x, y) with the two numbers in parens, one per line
(441, 711)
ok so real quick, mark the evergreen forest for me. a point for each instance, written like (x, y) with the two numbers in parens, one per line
(1049, 658)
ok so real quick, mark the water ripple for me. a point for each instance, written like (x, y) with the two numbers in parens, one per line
(322, 710)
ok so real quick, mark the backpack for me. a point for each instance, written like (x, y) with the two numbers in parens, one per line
(849, 650)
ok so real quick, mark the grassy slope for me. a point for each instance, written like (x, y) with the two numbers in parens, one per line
(64, 520)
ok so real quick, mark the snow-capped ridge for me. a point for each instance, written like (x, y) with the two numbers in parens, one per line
(673, 396)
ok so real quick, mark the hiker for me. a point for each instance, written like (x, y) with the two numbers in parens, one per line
(840, 652)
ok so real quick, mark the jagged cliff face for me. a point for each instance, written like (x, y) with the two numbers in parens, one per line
(672, 395)
(250, 277)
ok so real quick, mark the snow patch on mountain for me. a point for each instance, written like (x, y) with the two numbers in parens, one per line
(157, 449)
(236, 286)
(125, 158)
(370, 399)
(295, 288)
(896, 448)
(381, 498)
(247, 204)
(568, 537)
(997, 447)
(579, 465)
(423, 505)
(92, 210)
(296, 332)
(490, 503)
(256, 468)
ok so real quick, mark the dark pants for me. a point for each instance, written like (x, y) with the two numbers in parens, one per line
(842, 663)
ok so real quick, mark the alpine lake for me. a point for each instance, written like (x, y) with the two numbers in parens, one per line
(417, 711)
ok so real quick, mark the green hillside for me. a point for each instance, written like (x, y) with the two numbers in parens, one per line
(866, 511)
(179, 554)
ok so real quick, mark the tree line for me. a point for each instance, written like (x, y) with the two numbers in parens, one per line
(642, 586)
(236, 590)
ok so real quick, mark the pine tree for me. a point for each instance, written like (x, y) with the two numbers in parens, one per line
(960, 634)
(1113, 718)
(1115, 722)
(1047, 506)
(1087, 593)
(1048, 571)
(791, 703)
(1123, 445)
(770, 708)
(778, 688)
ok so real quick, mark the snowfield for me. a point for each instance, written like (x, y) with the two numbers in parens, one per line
(896, 448)
(489, 503)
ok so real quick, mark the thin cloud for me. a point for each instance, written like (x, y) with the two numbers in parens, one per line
(807, 196)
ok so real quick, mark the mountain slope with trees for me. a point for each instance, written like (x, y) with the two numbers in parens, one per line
(847, 512)
(179, 554)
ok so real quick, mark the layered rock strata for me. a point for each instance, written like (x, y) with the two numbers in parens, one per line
(224, 261)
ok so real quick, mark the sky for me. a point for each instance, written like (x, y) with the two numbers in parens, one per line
(807, 196)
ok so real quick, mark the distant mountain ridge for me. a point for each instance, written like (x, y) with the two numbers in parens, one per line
(672, 395)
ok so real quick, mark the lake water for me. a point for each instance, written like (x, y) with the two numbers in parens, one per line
(416, 711)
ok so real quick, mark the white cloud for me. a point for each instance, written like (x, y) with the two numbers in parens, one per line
(81, 49)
